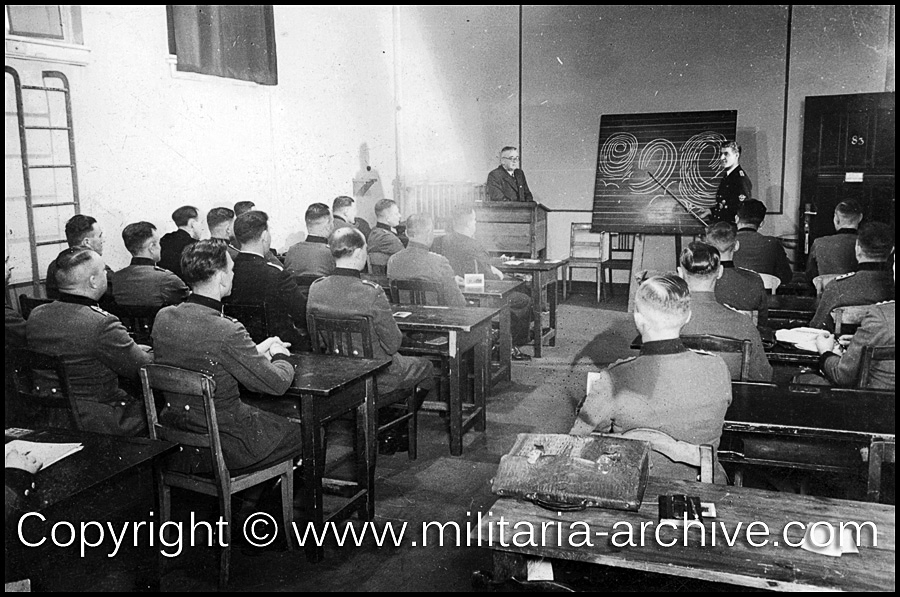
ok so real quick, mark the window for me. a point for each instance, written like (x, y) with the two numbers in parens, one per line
(236, 42)
(52, 22)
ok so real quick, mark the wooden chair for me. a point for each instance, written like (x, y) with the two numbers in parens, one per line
(851, 315)
(253, 317)
(138, 320)
(28, 303)
(378, 263)
(222, 483)
(771, 282)
(417, 292)
(721, 344)
(39, 403)
(872, 354)
(618, 243)
(696, 455)
(352, 338)
(585, 252)
(821, 282)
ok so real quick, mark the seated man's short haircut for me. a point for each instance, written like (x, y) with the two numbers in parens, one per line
(848, 211)
(250, 225)
(183, 215)
(730, 145)
(384, 205)
(508, 148)
(722, 235)
(344, 241)
(201, 260)
(77, 229)
(242, 207)
(316, 213)
(69, 261)
(752, 211)
(136, 236)
(419, 225)
(700, 259)
(876, 240)
(462, 214)
(665, 300)
(218, 216)
(341, 202)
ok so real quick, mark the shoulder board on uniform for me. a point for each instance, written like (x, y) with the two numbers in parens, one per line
(100, 311)
(372, 284)
(622, 361)
(845, 276)
(161, 269)
(884, 303)
(746, 270)
(317, 280)
(733, 309)
(703, 352)
(275, 265)
(229, 318)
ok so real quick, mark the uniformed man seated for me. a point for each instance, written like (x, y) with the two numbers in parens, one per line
(346, 213)
(384, 241)
(142, 283)
(759, 253)
(97, 346)
(345, 295)
(220, 221)
(172, 244)
(871, 282)
(836, 253)
(258, 281)
(701, 268)
(196, 335)
(81, 231)
(738, 288)
(417, 262)
(672, 389)
(312, 257)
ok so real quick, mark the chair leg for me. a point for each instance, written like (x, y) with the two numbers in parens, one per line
(413, 425)
(287, 506)
(599, 282)
(739, 477)
(225, 558)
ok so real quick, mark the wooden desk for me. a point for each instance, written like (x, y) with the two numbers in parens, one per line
(810, 428)
(543, 274)
(775, 566)
(327, 387)
(512, 227)
(791, 307)
(788, 354)
(496, 294)
(466, 328)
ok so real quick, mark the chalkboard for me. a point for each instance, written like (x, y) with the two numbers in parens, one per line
(680, 150)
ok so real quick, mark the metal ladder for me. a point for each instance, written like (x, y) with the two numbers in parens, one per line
(27, 167)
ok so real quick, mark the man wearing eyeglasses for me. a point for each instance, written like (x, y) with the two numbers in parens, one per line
(507, 181)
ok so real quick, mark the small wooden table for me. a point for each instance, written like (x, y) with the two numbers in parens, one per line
(773, 566)
(466, 328)
(543, 274)
(496, 294)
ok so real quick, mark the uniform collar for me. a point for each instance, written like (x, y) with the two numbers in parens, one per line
(246, 256)
(342, 218)
(748, 229)
(312, 238)
(846, 231)
(703, 297)
(346, 271)
(416, 245)
(384, 226)
(77, 299)
(727, 264)
(142, 261)
(871, 266)
(656, 347)
(204, 301)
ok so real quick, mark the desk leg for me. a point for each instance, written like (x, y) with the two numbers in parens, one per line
(551, 297)
(876, 458)
(313, 471)
(506, 341)
(482, 377)
(536, 308)
(456, 392)
(365, 449)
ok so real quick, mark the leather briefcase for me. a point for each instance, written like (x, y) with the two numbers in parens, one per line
(569, 472)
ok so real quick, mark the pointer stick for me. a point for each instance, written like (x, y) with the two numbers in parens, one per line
(680, 202)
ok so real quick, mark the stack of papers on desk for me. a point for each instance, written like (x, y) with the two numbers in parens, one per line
(802, 338)
(45, 454)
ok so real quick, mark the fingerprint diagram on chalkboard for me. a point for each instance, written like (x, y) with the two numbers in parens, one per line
(697, 189)
(658, 157)
(617, 156)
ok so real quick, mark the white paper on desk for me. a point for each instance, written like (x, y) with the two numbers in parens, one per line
(474, 281)
(539, 569)
(802, 338)
(512, 263)
(44, 453)
(817, 540)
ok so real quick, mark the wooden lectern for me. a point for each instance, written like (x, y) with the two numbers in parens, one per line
(508, 227)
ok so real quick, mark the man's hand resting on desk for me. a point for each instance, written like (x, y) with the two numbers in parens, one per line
(273, 346)
(826, 343)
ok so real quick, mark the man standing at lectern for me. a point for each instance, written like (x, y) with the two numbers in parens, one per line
(507, 181)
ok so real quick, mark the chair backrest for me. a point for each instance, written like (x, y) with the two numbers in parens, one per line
(33, 390)
(138, 320)
(417, 292)
(820, 282)
(583, 243)
(619, 241)
(770, 282)
(339, 336)
(870, 355)
(253, 317)
(200, 388)
(378, 263)
(711, 343)
(699, 456)
(28, 303)
(844, 316)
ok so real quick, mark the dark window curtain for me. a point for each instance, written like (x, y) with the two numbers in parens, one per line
(237, 42)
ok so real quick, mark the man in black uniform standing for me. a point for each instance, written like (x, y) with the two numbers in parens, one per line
(734, 187)
(507, 182)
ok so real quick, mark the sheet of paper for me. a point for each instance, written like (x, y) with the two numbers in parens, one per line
(46, 454)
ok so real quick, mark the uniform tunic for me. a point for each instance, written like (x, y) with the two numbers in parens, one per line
(832, 254)
(195, 335)
(418, 263)
(875, 329)
(503, 186)
(345, 295)
(382, 243)
(743, 290)
(669, 388)
(144, 284)
(171, 246)
(871, 284)
(98, 351)
(762, 254)
(733, 188)
(311, 257)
